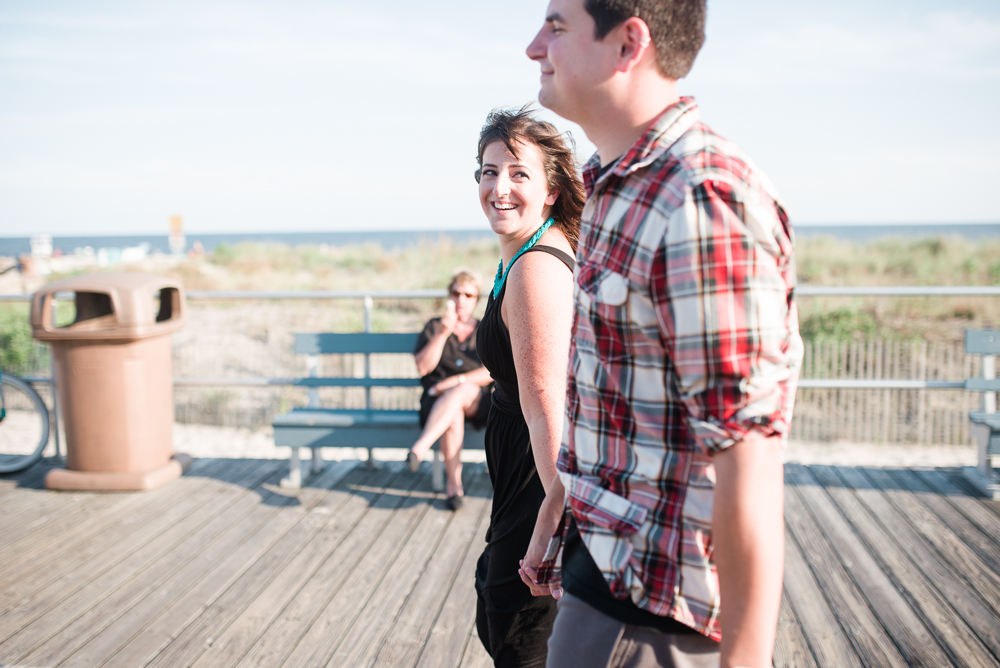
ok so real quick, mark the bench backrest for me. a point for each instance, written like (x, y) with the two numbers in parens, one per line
(984, 342)
(365, 343)
(360, 342)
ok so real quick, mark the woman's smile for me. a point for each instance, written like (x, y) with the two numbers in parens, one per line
(513, 189)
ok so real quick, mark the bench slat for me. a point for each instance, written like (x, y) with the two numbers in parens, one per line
(983, 384)
(359, 342)
(336, 417)
(317, 381)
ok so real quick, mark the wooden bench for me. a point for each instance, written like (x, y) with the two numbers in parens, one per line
(985, 422)
(315, 427)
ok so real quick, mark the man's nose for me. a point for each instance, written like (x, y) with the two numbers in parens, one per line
(536, 50)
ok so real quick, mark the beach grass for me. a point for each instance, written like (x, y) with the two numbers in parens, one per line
(820, 261)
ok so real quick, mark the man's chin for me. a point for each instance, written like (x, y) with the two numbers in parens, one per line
(551, 102)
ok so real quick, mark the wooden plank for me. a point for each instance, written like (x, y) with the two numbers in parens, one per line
(217, 612)
(182, 600)
(985, 547)
(208, 549)
(952, 485)
(64, 540)
(956, 553)
(475, 655)
(43, 508)
(333, 520)
(947, 628)
(208, 523)
(863, 629)
(23, 505)
(29, 512)
(30, 478)
(449, 642)
(281, 637)
(826, 640)
(49, 583)
(363, 576)
(906, 629)
(375, 619)
(400, 640)
(43, 503)
(963, 598)
(60, 531)
(791, 650)
(61, 548)
(412, 627)
(42, 616)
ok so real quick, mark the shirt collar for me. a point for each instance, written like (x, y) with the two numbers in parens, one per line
(675, 120)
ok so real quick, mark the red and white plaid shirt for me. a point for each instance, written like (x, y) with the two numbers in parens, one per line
(685, 338)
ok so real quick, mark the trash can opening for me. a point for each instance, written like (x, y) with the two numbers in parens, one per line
(170, 303)
(92, 306)
(83, 310)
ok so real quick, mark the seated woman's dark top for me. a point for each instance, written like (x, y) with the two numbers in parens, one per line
(456, 357)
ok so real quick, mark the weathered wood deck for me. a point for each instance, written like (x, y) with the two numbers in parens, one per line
(884, 567)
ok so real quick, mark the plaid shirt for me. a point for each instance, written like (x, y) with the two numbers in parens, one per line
(685, 338)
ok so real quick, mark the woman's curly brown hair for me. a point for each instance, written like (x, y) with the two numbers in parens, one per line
(558, 156)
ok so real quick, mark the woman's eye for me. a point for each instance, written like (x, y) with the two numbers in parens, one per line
(489, 172)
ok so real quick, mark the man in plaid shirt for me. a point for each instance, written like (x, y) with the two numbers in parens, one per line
(665, 525)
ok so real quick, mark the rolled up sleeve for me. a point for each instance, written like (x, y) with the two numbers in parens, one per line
(723, 285)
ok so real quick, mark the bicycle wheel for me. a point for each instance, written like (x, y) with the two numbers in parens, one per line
(24, 430)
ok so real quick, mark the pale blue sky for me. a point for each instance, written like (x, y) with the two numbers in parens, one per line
(302, 115)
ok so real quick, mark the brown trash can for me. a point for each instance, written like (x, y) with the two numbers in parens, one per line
(114, 378)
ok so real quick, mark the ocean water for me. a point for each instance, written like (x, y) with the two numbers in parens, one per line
(13, 246)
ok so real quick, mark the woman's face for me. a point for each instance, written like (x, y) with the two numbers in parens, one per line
(465, 296)
(513, 190)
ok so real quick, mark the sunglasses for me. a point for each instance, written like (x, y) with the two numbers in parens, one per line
(469, 295)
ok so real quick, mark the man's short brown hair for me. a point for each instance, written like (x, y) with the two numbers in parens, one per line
(677, 28)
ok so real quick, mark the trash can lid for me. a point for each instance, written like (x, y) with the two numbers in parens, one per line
(111, 306)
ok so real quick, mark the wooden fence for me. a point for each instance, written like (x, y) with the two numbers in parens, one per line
(886, 416)
(244, 340)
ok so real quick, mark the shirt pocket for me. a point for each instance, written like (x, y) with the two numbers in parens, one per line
(603, 300)
(606, 517)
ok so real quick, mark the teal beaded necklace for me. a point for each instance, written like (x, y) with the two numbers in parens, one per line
(501, 273)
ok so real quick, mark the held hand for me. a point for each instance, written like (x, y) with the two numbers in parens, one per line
(549, 516)
(529, 574)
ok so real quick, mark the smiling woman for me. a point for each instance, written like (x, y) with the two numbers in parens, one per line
(532, 198)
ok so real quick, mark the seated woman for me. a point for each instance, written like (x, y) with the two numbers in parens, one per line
(456, 386)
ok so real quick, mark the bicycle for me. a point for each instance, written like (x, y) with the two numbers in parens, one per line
(24, 424)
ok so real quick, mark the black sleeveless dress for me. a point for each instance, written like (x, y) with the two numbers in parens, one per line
(512, 624)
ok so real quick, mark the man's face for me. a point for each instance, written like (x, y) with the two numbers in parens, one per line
(574, 65)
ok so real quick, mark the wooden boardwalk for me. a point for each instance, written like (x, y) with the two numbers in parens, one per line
(884, 567)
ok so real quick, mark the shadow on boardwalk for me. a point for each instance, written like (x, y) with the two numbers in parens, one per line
(884, 567)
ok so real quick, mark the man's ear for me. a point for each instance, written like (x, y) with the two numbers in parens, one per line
(634, 41)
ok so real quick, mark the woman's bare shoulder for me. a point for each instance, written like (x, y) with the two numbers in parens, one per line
(539, 277)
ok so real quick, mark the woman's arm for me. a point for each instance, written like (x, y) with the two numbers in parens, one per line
(428, 357)
(480, 377)
(538, 312)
